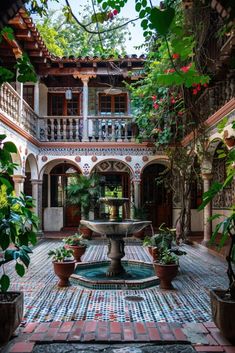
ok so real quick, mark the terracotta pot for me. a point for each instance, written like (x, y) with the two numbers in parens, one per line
(11, 314)
(64, 270)
(150, 250)
(166, 273)
(78, 251)
(223, 313)
(230, 142)
(86, 232)
(153, 252)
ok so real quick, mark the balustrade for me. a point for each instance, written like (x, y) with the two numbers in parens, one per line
(111, 128)
(60, 128)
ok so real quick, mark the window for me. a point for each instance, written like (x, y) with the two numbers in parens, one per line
(28, 95)
(113, 104)
(59, 106)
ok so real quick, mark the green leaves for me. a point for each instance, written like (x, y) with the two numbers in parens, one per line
(25, 69)
(20, 269)
(4, 283)
(5, 75)
(210, 194)
(161, 20)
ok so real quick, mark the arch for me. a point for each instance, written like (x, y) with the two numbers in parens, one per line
(107, 166)
(206, 165)
(161, 161)
(16, 158)
(53, 163)
(31, 162)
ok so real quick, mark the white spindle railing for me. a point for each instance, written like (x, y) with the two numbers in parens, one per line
(110, 128)
(60, 128)
(10, 105)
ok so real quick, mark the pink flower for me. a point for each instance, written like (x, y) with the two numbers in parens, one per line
(195, 91)
(115, 12)
(205, 85)
(175, 56)
(180, 113)
(199, 87)
(156, 106)
(184, 68)
(154, 98)
(172, 100)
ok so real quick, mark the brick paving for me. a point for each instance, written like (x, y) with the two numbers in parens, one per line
(209, 338)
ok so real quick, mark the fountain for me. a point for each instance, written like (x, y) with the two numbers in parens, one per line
(116, 230)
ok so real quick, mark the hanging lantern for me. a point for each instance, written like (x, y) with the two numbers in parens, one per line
(68, 94)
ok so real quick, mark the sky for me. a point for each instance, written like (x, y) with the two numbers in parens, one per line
(128, 12)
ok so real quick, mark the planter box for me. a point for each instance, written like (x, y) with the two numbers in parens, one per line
(11, 313)
(223, 313)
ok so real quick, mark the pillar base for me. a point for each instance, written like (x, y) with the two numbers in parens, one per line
(205, 242)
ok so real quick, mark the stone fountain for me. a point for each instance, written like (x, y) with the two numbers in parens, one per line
(115, 230)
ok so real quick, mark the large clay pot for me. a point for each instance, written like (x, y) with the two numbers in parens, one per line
(166, 273)
(223, 313)
(140, 234)
(11, 314)
(64, 270)
(78, 251)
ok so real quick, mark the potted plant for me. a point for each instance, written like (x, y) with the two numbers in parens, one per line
(163, 239)
(63, 263)
(83, 191)
(18, 226)
(223, 300)
(77, 244)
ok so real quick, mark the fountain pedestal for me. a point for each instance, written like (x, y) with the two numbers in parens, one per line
(115, 254)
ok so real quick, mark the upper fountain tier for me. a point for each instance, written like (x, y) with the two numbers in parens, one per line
(123, 228)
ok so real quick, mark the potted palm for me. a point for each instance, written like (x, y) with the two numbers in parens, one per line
(18, 226)
(63, 263)
(77, 244)
(83, 191)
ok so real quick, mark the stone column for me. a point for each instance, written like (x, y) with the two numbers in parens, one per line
(36, 97)
(85, 81)
(207, 210)
(18, 184)
(35, 184)
(136, 185)
(19, 90)
(39, 206)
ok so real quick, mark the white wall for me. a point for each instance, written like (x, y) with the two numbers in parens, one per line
(53, 219)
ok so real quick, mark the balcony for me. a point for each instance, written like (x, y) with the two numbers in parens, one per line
(64, 128)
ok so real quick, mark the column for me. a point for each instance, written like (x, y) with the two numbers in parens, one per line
(136, 185)
(36, 97)
(18, 184)
(207, 212)
(39, 206)
(35, 184)
(85, 81)
(19, 90)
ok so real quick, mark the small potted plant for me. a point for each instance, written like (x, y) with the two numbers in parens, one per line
(166, 268)
(77, 244)
(63, 263)
(163, 239)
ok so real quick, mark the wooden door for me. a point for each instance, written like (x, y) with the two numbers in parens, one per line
(155, 197)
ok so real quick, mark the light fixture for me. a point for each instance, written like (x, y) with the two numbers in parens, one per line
(68, 94)
(112, 90)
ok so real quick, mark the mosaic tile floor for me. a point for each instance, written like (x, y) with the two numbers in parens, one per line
(199, 271)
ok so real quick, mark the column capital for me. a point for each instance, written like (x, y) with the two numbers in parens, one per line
(206, 176)
(18, 178)
(136, 181)
(84, 77)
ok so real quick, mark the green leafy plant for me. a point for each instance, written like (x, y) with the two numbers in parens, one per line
(75, 240)
(84, 191)
(61, 254)
(167, 257)
(18, 224)
(225, 229)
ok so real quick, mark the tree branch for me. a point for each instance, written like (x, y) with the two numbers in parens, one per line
(95, 32)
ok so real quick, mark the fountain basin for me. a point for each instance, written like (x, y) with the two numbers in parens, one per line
(123, 228)
(138, 275)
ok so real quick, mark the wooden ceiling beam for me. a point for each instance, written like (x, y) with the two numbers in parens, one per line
(39, 60)
(35, 53)
(18, 22)
(24, 35)
(75, 71)
(31, 45)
